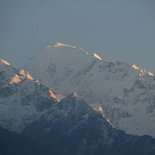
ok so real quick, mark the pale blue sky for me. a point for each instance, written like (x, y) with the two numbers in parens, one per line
(117, 29)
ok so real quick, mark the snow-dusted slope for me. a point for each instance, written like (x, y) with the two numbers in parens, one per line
(126, 92)
(58, 62)
(22, 99)
(72, 127)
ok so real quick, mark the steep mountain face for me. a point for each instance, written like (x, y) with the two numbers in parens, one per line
(62, 62)
(72, 127)
(33, 121)
(125, 92)
(22, 98)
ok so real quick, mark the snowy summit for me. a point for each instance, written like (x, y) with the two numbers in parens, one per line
(60, 45)
(125, 91)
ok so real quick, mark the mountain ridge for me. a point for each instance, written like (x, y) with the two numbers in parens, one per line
(19, 97)
(38, 123)
(125, 91)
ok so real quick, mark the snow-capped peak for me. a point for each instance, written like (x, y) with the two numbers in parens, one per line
(135, 67)
(60, 45)
(25, 74)
(21, 75)
(125, 91)
(144, 72)
(22, 99)
(4, 62)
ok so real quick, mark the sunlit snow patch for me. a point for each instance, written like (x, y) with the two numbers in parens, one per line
(97, 57)
(145, 72)
(61, 45)
(15, 79)
(133, 66)
(25, 74)
(2, 61)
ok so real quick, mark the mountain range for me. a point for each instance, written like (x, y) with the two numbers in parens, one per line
(124, 93)
(34, 121)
